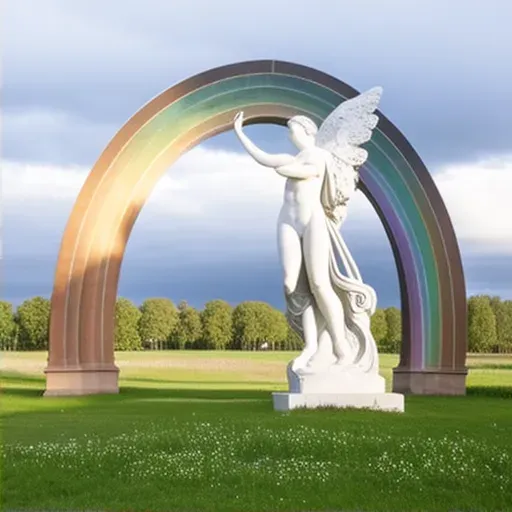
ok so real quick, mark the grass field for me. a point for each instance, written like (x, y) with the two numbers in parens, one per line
(195, 431)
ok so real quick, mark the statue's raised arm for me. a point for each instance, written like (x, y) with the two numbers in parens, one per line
(258, 154)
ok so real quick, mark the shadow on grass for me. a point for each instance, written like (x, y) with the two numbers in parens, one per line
(23, 392)
(490, 391)
(20, 403)
(199, 382)
(31, 386)
(491, 366)
(127, 393)
(18, 384)
(21, 377)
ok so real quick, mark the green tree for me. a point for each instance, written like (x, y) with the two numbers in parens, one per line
(275, 329)
(217, 325)
(188, 330)
(506, 327)
(482, 336)
(126, 334)
(293, 340)
(394, 330)
(379, 327)
(503, 313)
(256, 323)
(278, 327)
(33, 319)
(8, 328)
(245, 325)
(158, 319)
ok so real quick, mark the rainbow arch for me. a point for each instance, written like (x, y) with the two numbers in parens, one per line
(394, 179)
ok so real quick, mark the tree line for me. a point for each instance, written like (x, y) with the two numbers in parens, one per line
(160, 325)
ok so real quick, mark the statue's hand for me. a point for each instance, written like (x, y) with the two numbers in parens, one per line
(238, 121)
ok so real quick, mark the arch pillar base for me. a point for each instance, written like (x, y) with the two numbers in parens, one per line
(80, 380)
(429, 382)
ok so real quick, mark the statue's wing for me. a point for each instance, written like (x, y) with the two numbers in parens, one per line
(348, 126)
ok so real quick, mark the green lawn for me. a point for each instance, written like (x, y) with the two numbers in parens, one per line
(195, 431)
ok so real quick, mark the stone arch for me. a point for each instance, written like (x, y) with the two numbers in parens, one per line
(395, 180)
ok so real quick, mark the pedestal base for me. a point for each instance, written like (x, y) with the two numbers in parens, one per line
(393, 402)
(438, 382)
(336, 386)
(81, 381)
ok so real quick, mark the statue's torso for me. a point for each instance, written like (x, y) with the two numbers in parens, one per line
(301, 200)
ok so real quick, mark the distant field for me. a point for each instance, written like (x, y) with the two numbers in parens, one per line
(248, 370)
(195, 431)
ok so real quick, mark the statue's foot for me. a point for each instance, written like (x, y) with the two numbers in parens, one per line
(302, 360)
(343, 357)
(315, 360)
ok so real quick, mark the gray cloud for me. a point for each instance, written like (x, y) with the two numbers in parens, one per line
(443, 69)
(195, 264)
(199, 269)
(194, 268)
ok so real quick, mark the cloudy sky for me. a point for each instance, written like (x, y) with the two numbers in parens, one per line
(75, 71)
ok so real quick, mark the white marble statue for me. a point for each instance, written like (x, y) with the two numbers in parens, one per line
(328, 307)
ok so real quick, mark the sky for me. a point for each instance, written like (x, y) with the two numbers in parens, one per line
(74, 72)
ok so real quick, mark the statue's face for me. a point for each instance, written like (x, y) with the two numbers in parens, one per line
(299, 136)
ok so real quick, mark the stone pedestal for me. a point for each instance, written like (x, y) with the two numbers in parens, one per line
(65, 381)
(336, 386)
(392, 402)
(425, 382)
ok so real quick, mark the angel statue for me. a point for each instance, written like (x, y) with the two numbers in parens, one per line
(329, 309)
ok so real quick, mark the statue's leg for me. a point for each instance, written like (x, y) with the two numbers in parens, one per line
(316, 249)
(290, 252)
(310, 338)
(323, 357)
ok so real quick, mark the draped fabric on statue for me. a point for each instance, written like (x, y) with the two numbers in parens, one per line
(357, 298)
